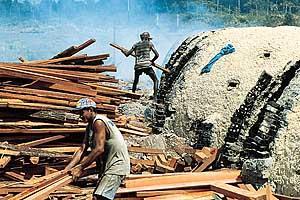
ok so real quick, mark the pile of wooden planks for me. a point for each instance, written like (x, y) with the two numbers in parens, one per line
(186, 177)
(38, 129)
(221, 184)
(36, 97)
(40, 175)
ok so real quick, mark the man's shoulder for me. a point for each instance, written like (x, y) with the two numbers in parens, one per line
(99, 120)
(99, 124)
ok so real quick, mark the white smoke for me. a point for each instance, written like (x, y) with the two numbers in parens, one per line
(52, 26)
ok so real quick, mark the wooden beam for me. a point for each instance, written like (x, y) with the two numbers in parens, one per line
(181, 185)
(49, 170)
(269, 193)
(144, 162)
(91, 68)
(73, 89)
(101, 89)
(284, 197)
(248, 187)
(56, 95)
(14, 175)
(12, 189)
(61, 149)
(58, 83)
(30, 191)
(238, 193)
(36, 99)
(145, 150)
(70, 58)
(13, 150)
(9, 152)
(33, 106)
(140, 176)
(74, 49)
(189, 177)
(75, 76)
(32, 76)
(143, 130)
(43, 194)
(207, 161)
(159, 166)
(7, 197)
(132, 132)
(4, 161)
(41, 141)
(167, 192)
(42, 131)
(162, 159)
(184, 196)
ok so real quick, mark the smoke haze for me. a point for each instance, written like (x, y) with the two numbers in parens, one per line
(39, 29)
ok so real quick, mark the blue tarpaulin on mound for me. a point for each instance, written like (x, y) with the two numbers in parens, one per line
(224, 51)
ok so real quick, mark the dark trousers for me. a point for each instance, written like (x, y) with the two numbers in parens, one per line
(150, 72)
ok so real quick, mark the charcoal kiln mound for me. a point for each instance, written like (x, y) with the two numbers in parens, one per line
(247, 105)
(198, 106)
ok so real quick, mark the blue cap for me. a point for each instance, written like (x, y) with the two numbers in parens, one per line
(85, 103)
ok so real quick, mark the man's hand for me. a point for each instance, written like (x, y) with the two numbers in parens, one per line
(76, 172)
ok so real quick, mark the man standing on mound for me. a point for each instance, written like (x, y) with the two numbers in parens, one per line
(143, 62)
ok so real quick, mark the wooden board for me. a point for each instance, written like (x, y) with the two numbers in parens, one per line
(189, 177)
(238, 193)
(181, 185)
(145, 150)
(185, 196)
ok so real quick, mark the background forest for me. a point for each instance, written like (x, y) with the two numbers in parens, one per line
(228, 12)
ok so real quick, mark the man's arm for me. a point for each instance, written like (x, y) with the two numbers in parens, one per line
(127, 53)
(156, 55)
(78, 154)
(100, 137)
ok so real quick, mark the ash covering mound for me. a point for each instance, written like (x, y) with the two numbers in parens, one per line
(248, 103)
(197, 104)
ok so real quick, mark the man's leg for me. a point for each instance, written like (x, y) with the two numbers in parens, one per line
(152, 75)
(137, 74)
(107, 187)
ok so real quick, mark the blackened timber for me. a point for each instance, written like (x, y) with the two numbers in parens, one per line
(238, 128)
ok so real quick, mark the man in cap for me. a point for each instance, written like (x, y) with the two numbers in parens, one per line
(143, 61)
(108, 149)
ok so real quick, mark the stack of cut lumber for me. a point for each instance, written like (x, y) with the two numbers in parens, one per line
(36, 97)
(36, 102)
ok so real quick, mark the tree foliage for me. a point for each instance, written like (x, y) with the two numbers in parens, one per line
(230, 12)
